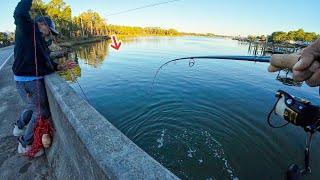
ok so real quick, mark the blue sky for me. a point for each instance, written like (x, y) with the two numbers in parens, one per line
(227, 17)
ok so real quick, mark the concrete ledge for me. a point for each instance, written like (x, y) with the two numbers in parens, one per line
(87, 146)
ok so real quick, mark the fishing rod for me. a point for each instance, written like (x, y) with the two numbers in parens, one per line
(293, 110)
(262, 59)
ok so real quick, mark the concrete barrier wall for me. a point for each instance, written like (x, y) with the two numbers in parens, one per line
(88, 146)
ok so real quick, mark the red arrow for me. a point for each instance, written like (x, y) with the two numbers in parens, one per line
(115, 44)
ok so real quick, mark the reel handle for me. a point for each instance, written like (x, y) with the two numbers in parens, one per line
(284, 61)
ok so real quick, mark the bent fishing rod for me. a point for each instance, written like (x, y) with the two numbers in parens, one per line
(293, 110)
(286, 61)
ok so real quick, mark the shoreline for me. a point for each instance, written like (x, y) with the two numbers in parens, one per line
(82, 41)
(180, 35)
(62, 49)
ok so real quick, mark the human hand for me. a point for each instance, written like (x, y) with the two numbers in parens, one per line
(306, 69)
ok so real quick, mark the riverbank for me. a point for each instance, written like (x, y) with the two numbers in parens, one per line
(61, 49)
(81, 41)
(178, 35)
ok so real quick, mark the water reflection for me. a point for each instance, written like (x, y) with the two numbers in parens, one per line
(93, 54)
(73, 74)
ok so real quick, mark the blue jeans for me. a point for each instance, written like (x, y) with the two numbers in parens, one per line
(33, 94)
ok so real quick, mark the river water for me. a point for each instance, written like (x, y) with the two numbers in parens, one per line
(207, 121)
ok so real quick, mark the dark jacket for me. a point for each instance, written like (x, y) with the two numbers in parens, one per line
(24, 51)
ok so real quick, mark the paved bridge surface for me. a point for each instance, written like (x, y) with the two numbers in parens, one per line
(13, 165)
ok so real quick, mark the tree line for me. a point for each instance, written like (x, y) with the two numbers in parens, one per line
(89, 23)
(137, 31)
(86, 24)
(284, 37)
(298, 35)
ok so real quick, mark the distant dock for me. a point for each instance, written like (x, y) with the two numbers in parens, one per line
(264, 48)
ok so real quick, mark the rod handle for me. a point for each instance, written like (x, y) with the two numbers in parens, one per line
(284, 61)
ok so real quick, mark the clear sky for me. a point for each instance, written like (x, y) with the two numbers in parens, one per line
(227, 17)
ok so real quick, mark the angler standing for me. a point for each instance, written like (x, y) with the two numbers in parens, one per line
(31, 63)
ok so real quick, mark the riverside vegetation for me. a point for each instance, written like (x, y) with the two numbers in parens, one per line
(91, 24)
(283, 37)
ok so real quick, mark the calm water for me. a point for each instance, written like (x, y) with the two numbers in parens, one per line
(202, 122)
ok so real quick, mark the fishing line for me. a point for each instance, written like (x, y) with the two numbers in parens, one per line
(81, 89)
(38, 108)
(142, 7)
(263, 59)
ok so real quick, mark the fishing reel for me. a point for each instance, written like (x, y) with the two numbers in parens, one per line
(302, 113)
(297, 111)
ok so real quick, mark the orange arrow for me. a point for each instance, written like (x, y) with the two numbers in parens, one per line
(115, 44)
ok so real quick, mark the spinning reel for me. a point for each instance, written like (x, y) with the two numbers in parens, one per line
(302, 113)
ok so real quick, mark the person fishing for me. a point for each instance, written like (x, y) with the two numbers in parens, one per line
(307, 68)
(31, 63)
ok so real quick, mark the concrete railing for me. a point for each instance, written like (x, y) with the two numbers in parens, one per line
(88, 146)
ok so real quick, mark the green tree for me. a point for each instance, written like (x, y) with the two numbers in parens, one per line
(299, 35)
(310, 37)
(3, 37)
(90, 23)
(252, 38)
(61, 14)
(38, 8)
(279, 36)
(173, 32)
(291, 35)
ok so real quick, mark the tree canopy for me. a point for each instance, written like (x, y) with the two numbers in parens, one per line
(91, 23)
(298, 35)
(135, 31)
(6, 39)
(86, 24)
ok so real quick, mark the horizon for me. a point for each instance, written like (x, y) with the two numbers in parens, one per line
(232, 18)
